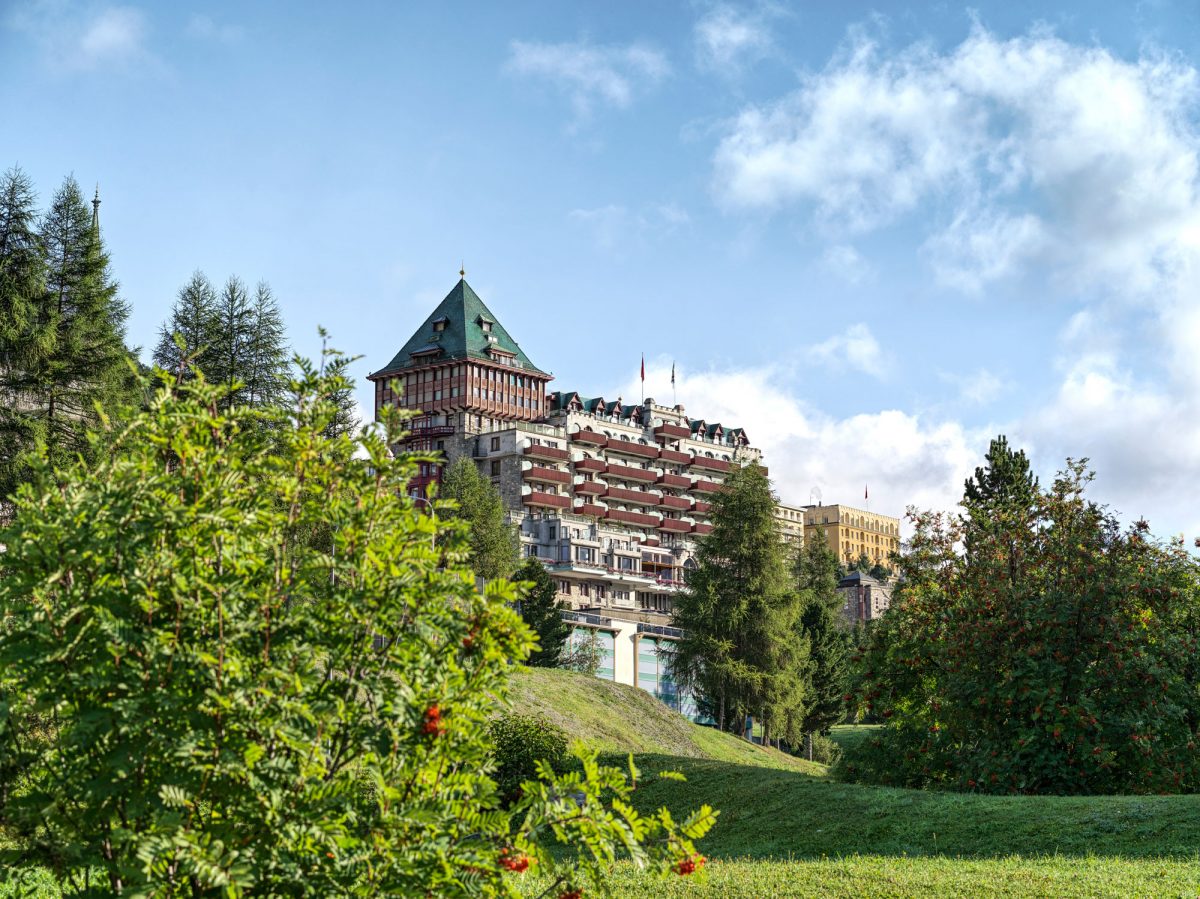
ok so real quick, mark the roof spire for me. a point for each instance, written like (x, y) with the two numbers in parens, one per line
(462, 270)
(96, 207)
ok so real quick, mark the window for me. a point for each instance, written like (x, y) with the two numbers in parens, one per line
(495, 444)
(564, 587)
(441, 444)
(495, 468)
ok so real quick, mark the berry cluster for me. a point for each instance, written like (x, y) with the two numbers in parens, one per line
(511, 862)
(433, 722)
(690, 865)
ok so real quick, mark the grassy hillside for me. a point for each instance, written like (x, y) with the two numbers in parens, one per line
(612, 718)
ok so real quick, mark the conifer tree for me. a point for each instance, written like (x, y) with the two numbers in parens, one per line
(72, 355)
(540, 610)
(22, 275)
(740, 652)
(191, 331)
(266, 354)
(815, 574)
(493, 541)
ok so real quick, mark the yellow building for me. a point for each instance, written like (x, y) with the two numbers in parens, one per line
(851, 532)
(791, 523)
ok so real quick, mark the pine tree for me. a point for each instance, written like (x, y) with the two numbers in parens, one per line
(192, 330)
(228, 362)
(815, 573)
(540, 609)
(739, 651)
(493, 541)
(73, 357)
(22, 276)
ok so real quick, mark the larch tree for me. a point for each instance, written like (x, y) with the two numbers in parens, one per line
(540, 609)
(815, 575)
(493, 541)
(740, 652)
(22, 278)
(191, 331)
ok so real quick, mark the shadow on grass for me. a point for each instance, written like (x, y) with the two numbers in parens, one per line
(770, 813)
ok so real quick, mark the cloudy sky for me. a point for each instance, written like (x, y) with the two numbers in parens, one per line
(873, 237)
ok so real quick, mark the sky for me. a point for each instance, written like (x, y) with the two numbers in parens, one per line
(872, 235)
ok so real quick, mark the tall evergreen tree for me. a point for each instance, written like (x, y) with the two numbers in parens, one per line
(740, 651)
(191, 331)
(72, 356)
(22, 278)
(815, 574)
(266, 354)
(540, 610)
(494, 545)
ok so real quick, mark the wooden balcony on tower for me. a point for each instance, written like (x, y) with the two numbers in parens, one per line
(638, 497)
(645, 475)
(670, 455)
(710, 464)
(545, 475)
(589, 437)
(672, 432)
(545, 500)
(629, 448)
(550, 453)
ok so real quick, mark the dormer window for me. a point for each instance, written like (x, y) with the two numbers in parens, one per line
(486, 326)
(439, 326)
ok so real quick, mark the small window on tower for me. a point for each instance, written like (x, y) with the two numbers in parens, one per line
(486, 326)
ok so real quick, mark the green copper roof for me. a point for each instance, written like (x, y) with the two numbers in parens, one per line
(463, 314)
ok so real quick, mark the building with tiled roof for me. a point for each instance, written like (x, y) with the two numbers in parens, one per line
(610, 495)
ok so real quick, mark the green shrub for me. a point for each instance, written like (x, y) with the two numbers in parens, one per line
(519, 742)
(268, 676)
(825, 750)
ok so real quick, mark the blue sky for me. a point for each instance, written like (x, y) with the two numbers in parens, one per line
(873, 236)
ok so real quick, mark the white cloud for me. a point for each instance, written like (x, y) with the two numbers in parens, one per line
(728, 38)
(76, 38)
(614, 226)
(979, 388)
(856, 349)
(205, 28)
(847, 263)
(1028, 158)
(610, 75)
(905, 459)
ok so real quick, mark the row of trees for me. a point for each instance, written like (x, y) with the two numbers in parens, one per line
(1035, 646)
(761, 634)
(63, 354)
(64, 359)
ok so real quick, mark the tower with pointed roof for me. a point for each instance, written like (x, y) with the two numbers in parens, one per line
(463, 374)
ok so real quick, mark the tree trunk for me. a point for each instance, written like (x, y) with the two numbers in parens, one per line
(808, 745)
(721, 712)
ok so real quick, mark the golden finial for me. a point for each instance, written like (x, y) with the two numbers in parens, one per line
(462, 271)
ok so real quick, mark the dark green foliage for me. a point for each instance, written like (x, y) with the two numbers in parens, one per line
(236, 709)
(1054, 655)
(821, 623)
(741, 651)
(519, 742)
(494, 545)
(540, 610)
(63, 346)
(238, 341)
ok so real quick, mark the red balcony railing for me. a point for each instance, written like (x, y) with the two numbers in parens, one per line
(669, 455)
(631, 474)
(590, 437)
(701, 528)
(638, 518)
(672, 432)
(629, 448)
(651, 541)
(590, 509)
(675, 526)
(552, 453)
(700, 507)
(710, 464)
(706, 487)
(547, 500)
(591, 488)
(681, 503)
(546, 475)
(675, 480)
(593, 465)
(639, 497)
